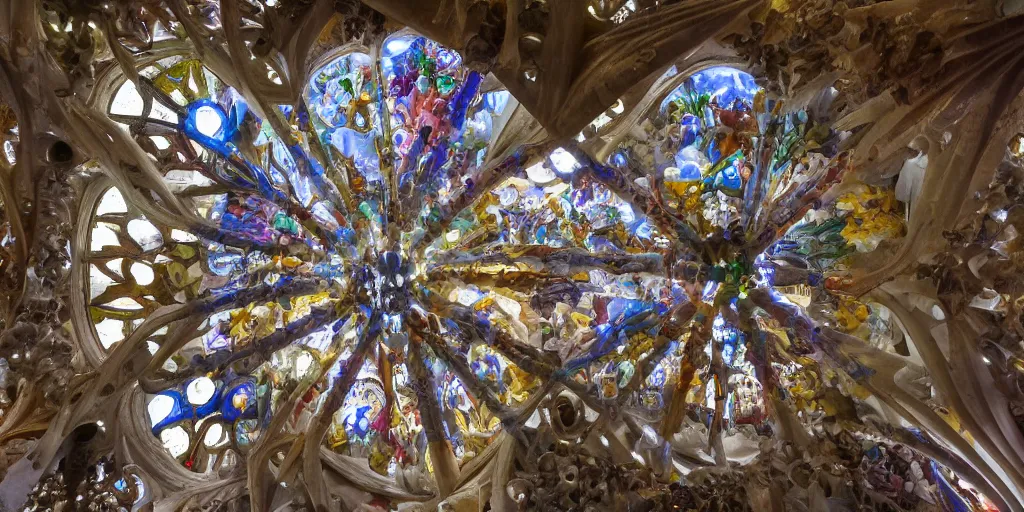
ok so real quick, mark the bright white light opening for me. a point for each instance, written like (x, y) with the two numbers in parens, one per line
(563, 162)
(214, 435)
(159, 408)
(127, 101)
(175, 441)
(302, 363)
(397, 46)
(145, 234)
(142, 273)
(540, 174)
(112, 202)
(208, 121)
(200, 391)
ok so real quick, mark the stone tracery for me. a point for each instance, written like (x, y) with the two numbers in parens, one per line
(287, 255)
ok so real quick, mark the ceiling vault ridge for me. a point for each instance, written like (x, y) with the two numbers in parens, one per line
(511, 255)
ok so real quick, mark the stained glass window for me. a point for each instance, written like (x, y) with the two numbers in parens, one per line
(345, 269)
(281, 254)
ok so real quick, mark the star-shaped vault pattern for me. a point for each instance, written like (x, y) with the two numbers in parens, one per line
(507, 255)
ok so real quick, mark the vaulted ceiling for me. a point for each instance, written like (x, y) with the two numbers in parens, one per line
(283, 255)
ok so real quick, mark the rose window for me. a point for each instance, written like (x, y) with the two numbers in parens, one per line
(364, 270)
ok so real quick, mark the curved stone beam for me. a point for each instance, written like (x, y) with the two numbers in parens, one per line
(566, 98)
(976, 419)
(975, 95)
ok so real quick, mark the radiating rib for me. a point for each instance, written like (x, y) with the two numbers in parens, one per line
(479, 390)
(525, 283)
(944, 456)
(471, 191)
(692, 349)
(260, 452)
(359, 474)
(621, 185)
(671, 330)
(876, 369)
(977, 420)
(530, 359)
(446, 469)
(305, 166)
(283, 289)
(117, 369)
(480, 330)
(544, 261)
(312, 468)
(251, 355)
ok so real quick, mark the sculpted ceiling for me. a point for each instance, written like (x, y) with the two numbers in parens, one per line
(511, 255)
